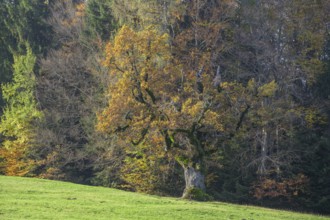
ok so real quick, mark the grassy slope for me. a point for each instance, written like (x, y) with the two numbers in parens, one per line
(24, 198)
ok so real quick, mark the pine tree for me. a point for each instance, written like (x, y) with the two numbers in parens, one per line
(99, 19)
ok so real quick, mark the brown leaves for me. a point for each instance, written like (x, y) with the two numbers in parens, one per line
(13, 158)
(287, 188)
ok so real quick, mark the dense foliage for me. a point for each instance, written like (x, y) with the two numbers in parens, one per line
(220, 100)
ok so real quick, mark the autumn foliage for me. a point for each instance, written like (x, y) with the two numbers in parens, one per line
(218, 99)
(286, 188)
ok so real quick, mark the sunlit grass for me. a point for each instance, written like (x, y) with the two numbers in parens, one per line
(26, 198)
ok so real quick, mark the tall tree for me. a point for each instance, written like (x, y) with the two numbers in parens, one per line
(274, 47)
(25, 21)
(172, 114)
(21, 21)
(19, 117)
(99, 19)
(67, 93)
(318, 135)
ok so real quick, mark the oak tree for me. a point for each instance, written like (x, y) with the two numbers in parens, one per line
(154, 102)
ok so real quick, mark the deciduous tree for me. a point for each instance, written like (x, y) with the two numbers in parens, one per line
(19, 117)
(154, 102)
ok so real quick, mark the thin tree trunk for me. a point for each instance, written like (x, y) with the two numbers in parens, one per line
(264, 149)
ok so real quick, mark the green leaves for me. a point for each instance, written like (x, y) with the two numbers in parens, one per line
(19, 94)
(99, 19)
(19, 115)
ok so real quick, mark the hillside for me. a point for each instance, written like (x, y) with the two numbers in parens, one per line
(27, 198)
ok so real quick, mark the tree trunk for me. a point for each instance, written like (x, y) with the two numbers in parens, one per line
(195, 183)
(264, 150)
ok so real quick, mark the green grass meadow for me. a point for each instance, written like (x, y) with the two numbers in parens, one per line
(28, 198)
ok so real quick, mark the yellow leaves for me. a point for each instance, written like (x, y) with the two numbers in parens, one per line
(13, 158)
(102, 124)
(268, 90)
(17, 121)
(139, 60)
(76, 18)
(226, 85)
(192, 108)
(314, 117)
(186, 105)
(80, 10)
(251, 85)
(141, 45)
(141, 170)
(212, 118)
(108, 55)
(175, 98)
(124, 40)
(195, 109)
(159, 93)
(156, 139)
(142, 56)
(144, 84)
(141, 120)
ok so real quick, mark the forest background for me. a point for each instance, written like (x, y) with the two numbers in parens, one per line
(205, 99)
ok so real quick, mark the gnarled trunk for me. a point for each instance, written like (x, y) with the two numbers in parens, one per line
(195, 182)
